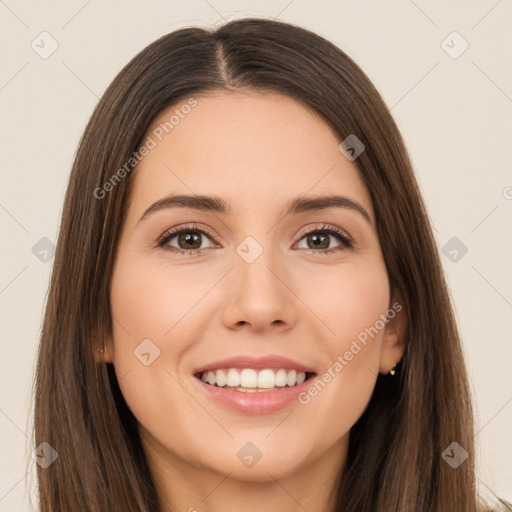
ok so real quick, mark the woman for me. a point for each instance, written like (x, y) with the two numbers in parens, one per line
(247, 309)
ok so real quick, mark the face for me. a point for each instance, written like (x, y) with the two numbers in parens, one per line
(256, 281)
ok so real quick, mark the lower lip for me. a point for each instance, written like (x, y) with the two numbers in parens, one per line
(258, 402)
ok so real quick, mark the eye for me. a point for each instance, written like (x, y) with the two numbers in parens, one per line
(188, 239)
(185, 239)
(320, 239)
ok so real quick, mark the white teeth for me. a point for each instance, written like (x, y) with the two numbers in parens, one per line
(291, 378)
(233, 378)
(249, 379)
(266, 379)
(281, 377)
(221, 378)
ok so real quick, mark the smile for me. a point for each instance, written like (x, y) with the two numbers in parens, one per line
(253, 385)
(253, 380)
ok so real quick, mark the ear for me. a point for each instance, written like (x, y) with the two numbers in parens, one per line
(394, 340)
(103, 348)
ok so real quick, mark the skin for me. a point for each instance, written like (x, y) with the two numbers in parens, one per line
(257, 151)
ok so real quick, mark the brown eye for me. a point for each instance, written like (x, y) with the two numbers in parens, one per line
(189, 240)
(319, 240)
(185, 239)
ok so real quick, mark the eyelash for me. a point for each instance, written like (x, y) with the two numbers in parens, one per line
(346, 241)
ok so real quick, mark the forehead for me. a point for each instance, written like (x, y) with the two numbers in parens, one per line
(253, 149)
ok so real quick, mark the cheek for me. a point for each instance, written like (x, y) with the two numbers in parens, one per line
(149, 340)
(353, 312)
(149, 303)
(351, 302)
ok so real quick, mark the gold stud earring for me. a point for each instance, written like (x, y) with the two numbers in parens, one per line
(392, 371)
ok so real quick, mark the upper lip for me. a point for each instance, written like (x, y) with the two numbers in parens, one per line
(246, 361)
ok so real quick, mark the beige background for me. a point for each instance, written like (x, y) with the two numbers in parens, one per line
(455, 115)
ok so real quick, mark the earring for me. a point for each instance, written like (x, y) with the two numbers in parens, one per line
(392, 371)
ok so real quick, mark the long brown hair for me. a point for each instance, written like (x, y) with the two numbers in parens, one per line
(395, 454)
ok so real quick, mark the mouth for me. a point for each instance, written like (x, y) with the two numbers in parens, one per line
(253, 385)
(254, 380)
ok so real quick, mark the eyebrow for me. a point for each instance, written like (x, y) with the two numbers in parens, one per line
(218, 205)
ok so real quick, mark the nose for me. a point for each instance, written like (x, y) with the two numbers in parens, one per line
(259, 295)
